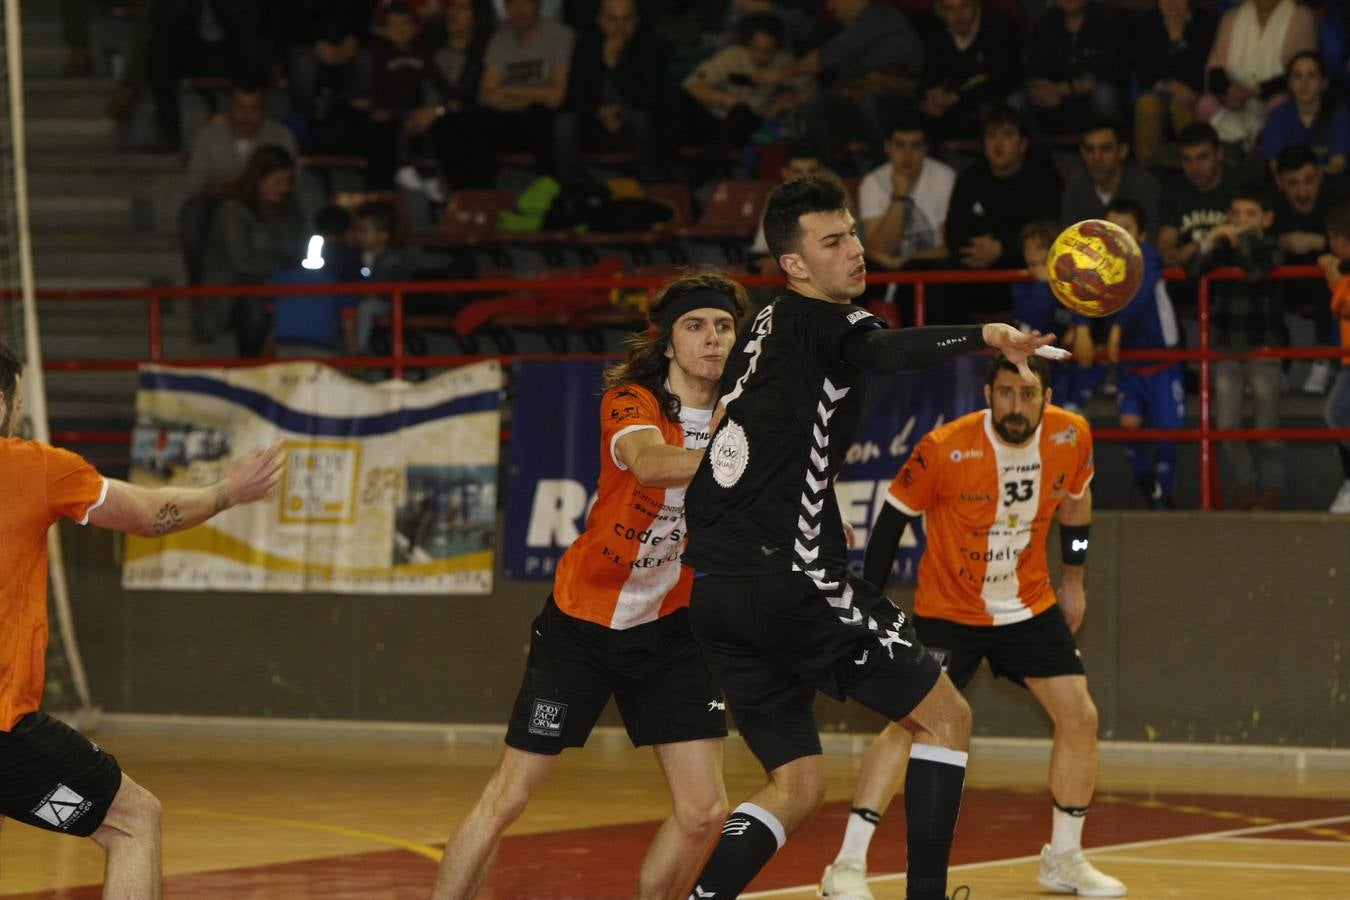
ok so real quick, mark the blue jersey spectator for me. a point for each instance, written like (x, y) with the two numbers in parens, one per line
(312, 324)
(1148, 391)
(1310, 116)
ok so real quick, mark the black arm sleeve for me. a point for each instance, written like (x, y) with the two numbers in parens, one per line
(910, 349)
(881, 545)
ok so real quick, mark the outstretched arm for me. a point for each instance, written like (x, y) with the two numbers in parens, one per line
(912, 349)
(152, 512)
(654, 462)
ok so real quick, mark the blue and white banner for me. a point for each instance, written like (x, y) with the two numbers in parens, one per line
(555, 458)
(389, 488)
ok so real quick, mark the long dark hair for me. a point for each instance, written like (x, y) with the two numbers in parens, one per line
(646, 364)
(1326, 104)
(263, 161)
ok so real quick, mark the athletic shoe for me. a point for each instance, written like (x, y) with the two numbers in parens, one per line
(845, 879)
(1319, 377)
(1342, 502)
(1070, 873)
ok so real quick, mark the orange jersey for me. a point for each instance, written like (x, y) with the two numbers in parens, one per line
(625, 568)
(988, 509)
(40, 484)
(1340, 309)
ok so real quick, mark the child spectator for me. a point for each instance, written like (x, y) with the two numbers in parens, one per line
(1336, 265)
(1149, 391)
(382, 259)
(319, 324)
(1036, 309)
(1247, 315)
(1310, 116)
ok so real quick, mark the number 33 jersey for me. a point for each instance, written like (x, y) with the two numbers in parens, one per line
(988, 509)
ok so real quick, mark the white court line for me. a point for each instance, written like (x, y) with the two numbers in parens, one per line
(1219, 863)
(1160, 842)
(1301, 842)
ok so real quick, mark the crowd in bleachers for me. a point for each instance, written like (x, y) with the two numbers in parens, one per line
(550, 135)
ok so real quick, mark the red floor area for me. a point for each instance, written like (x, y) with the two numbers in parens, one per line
(597, 863)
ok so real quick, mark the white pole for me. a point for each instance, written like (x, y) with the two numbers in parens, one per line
(36, 399)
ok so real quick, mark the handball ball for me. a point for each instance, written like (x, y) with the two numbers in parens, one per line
(1095, 267)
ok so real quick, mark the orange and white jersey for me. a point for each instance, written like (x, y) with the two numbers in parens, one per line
(988, 508)
(625, 569)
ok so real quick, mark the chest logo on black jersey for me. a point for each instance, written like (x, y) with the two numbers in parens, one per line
(729, 454)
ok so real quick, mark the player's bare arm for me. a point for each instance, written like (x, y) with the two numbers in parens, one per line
(653, 462)
(152, 512)
(1074, 511)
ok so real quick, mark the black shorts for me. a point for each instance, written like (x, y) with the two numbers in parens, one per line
(654, 672)
(1039, 647)
(772, 641)
(53, 777)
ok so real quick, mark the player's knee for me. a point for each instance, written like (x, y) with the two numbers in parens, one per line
(135, 815)
(506, 799)
(804, 785)
(960, 720)
(701, 816)
(1080, 719)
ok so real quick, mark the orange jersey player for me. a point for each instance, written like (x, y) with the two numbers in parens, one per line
(616, 624)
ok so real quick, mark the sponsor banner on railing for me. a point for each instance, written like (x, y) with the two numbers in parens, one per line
(389, 488)
(555, 462)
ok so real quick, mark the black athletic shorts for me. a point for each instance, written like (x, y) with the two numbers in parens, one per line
(654, 672)
(54, 777)
(1039, 647)
(772, 641)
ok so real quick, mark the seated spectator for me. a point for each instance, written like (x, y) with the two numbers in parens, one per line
(800, 158)
(524, 82)
(328, 71)
(1304, 199)
(1336, 267)
(463, 163)
(1309, 116)
(1199, 200)
(1171, 44)
(1077, 66)
(1107, 174)
(728, 97)
(382, 259)
(969, 67)
(1333, 37)
(318, 324)
(401, 78)
(1036, 309)
(903, 203)
(1245, 71)
(873, 64)
(1148, 392)
(1247, 315)
(614, 95)
(219, 152)
(256, 231)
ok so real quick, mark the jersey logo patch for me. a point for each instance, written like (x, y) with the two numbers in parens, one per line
(1069, 437)
(729, 454)
(547, 718)
(61, 807)
(857, 316)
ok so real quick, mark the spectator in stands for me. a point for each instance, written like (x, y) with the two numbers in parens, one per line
(1171, 44)
(1077, 66)
(1107, 174)
(382, 259)
(219, 152)
(525, 80)
(1036, 309)
(1247, 315)
(1245, 70)
(318, 324)
(903, 202)
(1301, 205)
(728, 97)
(256, 231)
(1148, 391)
(614, 94)
(1199, 200)
(1310, 116)
(800, 158)
(873, 63)
(1333, 37)
(464, 163)
(328, 71)
(402, 76)
(1336, 266)
(969, 67)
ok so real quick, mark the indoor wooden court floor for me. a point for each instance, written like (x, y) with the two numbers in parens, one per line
(329, 814)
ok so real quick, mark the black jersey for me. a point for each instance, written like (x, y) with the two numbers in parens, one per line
(762, 500)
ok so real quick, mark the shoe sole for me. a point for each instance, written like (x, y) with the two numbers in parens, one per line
(1070, 889)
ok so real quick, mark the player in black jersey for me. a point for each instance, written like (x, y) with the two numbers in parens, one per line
(774, 609)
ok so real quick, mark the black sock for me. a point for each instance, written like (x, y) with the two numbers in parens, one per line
(751, 836)
(870, 816)
(933, 788)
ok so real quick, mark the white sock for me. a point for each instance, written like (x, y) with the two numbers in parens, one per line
(1067, 831)
(857, 835)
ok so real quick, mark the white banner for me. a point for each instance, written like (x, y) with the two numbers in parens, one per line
(389, 488)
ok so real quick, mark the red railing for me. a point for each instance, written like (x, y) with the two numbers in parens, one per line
(398, 360)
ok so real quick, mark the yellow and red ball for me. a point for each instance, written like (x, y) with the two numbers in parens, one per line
(1095, 267)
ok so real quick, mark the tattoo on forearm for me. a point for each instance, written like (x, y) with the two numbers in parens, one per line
(222, 501)
(168, 519)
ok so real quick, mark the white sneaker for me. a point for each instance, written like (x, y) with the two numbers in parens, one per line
(1319, 377)
(1342, 502)
(1071, 873)
(409, 178)
(845, 879)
